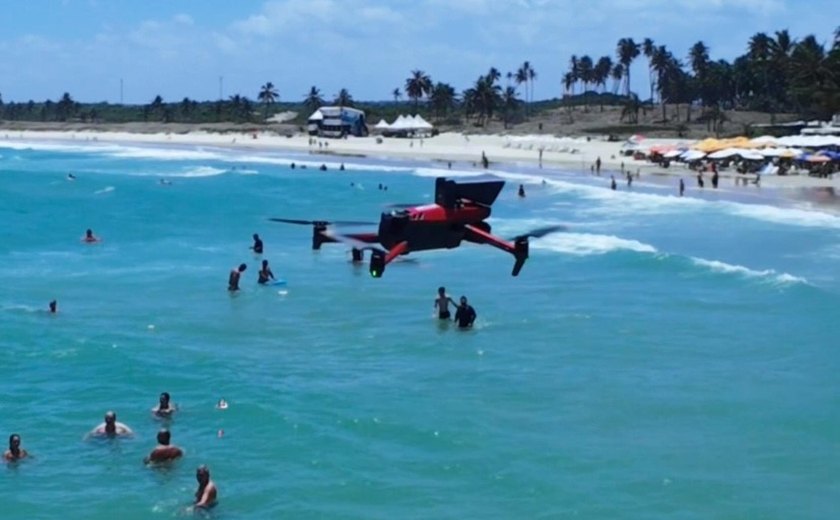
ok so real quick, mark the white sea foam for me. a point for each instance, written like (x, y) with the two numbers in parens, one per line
(767, 274)
(585, 244)
(107, 189)
(199, 171)
(441, 172)
(789, 216)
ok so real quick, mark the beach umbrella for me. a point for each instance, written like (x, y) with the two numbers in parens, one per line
(725, 153)
(692, 155)
(673, 153)
(818, 159)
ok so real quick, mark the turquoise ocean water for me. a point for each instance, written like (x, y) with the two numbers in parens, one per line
(665, 358)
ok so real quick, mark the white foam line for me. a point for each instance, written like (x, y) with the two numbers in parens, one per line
(769, 274)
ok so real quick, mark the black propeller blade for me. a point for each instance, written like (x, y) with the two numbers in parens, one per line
(323, 222)
(542, 231)
(406, 205)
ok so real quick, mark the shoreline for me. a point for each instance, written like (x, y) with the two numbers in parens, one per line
(545, 154)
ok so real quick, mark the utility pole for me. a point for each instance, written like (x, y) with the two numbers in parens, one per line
(121, 91)
(221, 83)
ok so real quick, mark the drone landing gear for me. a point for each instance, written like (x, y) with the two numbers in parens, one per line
(520, 253)
(358, 255)
(380, 258)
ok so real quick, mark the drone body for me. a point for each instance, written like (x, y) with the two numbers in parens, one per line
(458, 213)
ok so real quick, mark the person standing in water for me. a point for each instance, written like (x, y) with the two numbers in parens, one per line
(258, 244)
(15, 452)
(682, 187)
(206, 495)
(164, 451)
(111, 427)
(89, 237)
(521, 192)
(164, 407)
(265, 274)
(235, 275)
(612, 182)
(53, 307)
(465, 315)
(442, 304)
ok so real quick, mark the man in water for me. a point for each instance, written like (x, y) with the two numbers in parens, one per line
(53, 307)
(205, 497)
(15, 452)
(164, 451)
(521, 190)
(598, 166)
(71, 177)
(89, 238)
(442, 304)
(265, 273)
(682, 187)
(612, 182)
(111, 428)
(235, 274)
(465, 315)
(258, 244)
(164, 408)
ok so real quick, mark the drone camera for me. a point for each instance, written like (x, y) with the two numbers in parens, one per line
(377, 264)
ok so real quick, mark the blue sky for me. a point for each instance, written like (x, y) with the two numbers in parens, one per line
(180, 48)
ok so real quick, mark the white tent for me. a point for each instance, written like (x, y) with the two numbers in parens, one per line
(382, 125)
(725, 153)
(673, 153)
(422, 124)
(764, 140)
(316, 116)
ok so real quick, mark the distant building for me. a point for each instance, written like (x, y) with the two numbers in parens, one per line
(337, 122)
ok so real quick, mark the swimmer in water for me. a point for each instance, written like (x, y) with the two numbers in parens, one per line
(235, 274)
(165, 182)
(164, 451)
(465, 315)
(222, 404)
(53, 307)
(164, 408)
(71, 177)
(521, 190)
(205, 496)
(258, 244)
(323, 167)
(15, 452)
(265, 273)
(89, 237)
(442, 304)
(111, 427)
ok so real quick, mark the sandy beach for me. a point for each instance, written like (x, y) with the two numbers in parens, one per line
(566, 153)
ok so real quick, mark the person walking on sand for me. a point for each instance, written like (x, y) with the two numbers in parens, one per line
(484, 162)
(598, 166)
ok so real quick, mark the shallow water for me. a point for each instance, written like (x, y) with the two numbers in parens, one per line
(665, 358)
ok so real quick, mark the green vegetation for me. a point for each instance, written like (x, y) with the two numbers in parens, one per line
(776, 74)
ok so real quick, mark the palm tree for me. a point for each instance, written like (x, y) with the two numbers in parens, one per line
(617, 75)
(510, 103)
(602, 74)
(343, 99)
(494, 75)
(443, 99)
(628, 50)
(419, 84)
(532, 76)
(525, 74)
(397, 93)
(648, 48)
(313, 100)
(698, 57)
(586, 74)
(631, 109)
(267, 95)
(65, 107)
(574, 70)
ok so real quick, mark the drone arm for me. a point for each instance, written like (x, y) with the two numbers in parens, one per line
(519, 248)
(480, 236)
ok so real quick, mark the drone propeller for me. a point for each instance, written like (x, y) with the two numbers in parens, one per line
(353, 242)
(541, 232)
(323, 222)
(406, 205)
